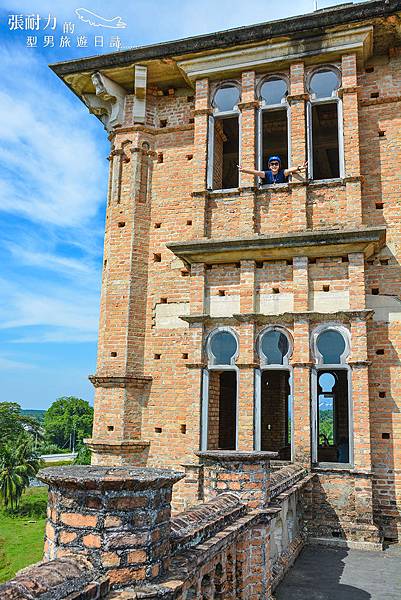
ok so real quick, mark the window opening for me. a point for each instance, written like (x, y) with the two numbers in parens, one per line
(324, 126)
(224, 139)
(276, 412)
(274, 347)
(223, 347)
(331, 346)
(333, 416)
(273, 122)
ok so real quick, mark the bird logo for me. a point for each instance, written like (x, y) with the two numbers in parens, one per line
(95, 20)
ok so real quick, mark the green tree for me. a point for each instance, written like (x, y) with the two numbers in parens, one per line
(67, 421)
(18, 463)
(14, 424)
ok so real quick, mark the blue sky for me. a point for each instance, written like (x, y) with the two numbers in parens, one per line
(53, 181)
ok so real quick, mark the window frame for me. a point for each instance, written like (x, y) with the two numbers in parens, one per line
(204, 424)
(264, 366)
(313, 101)
(315, 372)
(263, 107)
(217, 114)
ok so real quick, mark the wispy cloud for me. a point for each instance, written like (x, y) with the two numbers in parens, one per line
(6, 364)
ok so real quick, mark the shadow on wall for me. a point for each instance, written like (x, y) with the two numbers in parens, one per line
(316, 575)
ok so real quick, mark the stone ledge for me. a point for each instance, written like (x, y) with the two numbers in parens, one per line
(236, 456)
(108, 478)
(119, 381)
(112, 446)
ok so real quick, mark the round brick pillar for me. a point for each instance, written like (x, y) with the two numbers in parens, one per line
(247, 473)
(119, 517)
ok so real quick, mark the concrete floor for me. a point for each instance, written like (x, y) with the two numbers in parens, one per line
(323, 573)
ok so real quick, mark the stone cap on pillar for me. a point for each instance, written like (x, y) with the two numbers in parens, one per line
(108, 478)
(237, 456)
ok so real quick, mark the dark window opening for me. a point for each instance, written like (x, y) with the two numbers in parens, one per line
(276, 413)
(333, 419)
(226, 153)
(222, 410)
(331, 346)
(274, 136)
(326, 158)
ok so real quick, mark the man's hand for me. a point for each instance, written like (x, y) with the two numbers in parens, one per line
(303, 167)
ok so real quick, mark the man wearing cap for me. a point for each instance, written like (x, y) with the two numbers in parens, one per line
(274, 173)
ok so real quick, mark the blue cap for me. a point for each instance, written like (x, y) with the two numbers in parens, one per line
(277, 158)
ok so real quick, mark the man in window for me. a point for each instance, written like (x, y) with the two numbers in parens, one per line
(274, 173)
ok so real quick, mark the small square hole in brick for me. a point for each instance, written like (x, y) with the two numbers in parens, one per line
(113, 354)
(158, 225)
(276, 290)
(157, 356)
(371, 262)
(222, 292)
(190, 98)
(326, 288)
(183, 428)
(344, 259)
(259, 264)
(380, 351)
(375, 291)
(288, 263)
(190, 156)
(163, 122)
(110, 427)
(369, 69)
(237, 265)
(184, 272)
(191, 120)
(189, 221)
(121, 224)
(163, 300)
(312, 261)
(158, 429)
(105, 262)
(375, 94)
(385, 436)
(160, 157)
(382, 394)
(157, 257)
(382, 133)
(379, 205)
(384, 261)
(184, 355)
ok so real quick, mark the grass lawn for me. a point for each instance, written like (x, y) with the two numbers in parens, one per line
(21, 536)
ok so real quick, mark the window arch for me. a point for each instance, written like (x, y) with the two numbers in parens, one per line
(331, 344)
(325, 124)
(273, 120)
(274, 346)
(224, 137)
(222, 347)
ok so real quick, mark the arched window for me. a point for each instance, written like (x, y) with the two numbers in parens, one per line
(273, 121)
(274, 346)
(273, 397)
(325, 124)
(220, 386)
(331, 401)
(223, 138)
(222, 348)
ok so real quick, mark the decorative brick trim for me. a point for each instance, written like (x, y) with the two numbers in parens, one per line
(116, 446)
(248, 105)
(353, 89)
(297, 97)
(374, 101)
(198, 112)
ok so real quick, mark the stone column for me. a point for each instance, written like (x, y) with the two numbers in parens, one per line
(301, 393)
(119, 518)
(356, 276)
(246, 473)
(349, 95)
(296, 100)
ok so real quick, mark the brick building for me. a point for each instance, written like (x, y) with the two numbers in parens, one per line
(246, 317)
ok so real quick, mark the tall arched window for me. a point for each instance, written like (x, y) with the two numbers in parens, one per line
(273, 121)
(325, 124)
(220, 386)
(224, 138)
(331, 397)
(273, 393)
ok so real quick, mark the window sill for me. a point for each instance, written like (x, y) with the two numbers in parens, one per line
(274, 187)
(224, 193)
(326, 182)
(337, 467)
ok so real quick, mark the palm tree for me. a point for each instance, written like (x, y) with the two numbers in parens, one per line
(17, 465)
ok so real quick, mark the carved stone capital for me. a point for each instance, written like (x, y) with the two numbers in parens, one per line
(108, 101)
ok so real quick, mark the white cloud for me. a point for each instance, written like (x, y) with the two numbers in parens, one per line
(6, 364)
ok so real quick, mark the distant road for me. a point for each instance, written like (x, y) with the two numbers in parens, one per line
(49, 458)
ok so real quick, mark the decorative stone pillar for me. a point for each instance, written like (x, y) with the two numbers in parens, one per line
(119, 518)
(246, 473)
